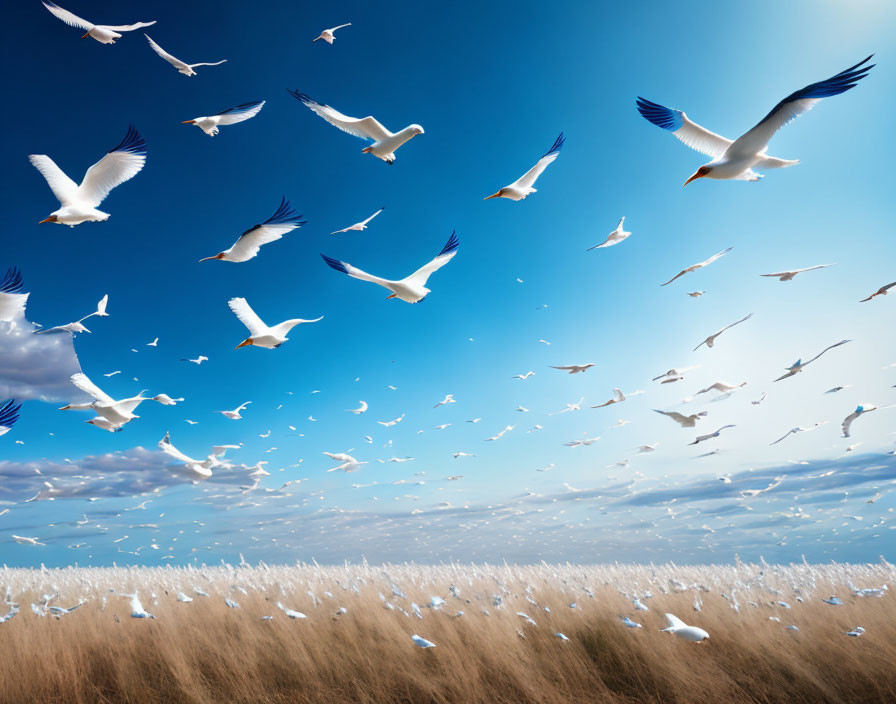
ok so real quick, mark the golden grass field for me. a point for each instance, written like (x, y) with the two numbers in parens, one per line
(206, 652)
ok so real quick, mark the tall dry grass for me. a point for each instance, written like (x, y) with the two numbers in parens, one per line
(204, 652)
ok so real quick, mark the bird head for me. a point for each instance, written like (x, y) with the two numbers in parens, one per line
(188, 122)
(416, 129)
(51, 218)
(499, 194)
(700, 173)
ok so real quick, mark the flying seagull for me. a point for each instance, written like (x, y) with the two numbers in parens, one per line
(359, 226)
(701, 438)
(328, 34)
(79, 202)
(737, 159)
(523, 186)
(575, 368)
(202, 469)
(103, 33)
(230, 116)
(710, 341)
(411, 289)
(699, 265)
(260, 335)
(615, 237)
(184, 68)
(794, 431)
(384, 142)
(882, 291)
(798, 365)
(9, 414)
(683, 420)
(789, 275)
(860, 411)
(284, 220)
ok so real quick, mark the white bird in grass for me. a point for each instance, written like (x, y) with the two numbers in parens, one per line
(235, 413)
(328, 35)
(721, 387)
(184, 68)
(384, 142)
(411, 289)
(798, 365)
(575, 368)
(360, 409)
(699, 265)
(522, 187)
(359, 226)
(9, 414)
(683, 420)
(710, 341)
(137, 610)
(683, 630)
(283, 221)
(882, 291)
(261, 335)
(209, 124)
(737, 159)
(701, 438)
(79, 202)
(202, 469)
(615, 237)
(103, 33)
(789, 275)
(422, 642)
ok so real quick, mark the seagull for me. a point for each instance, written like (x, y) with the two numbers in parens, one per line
(618, 397)
(390, 423)
(199, 360)
(184, 68)
(860, 410)
(154, 343)
(582, 443)
(615, 237)
(507, 429)
(523, 186)
(9, 414)
(683, 420)
(360, 409)
(788, 275)
(137, 610)
(575, 368)
(359, 226)
(759, 400)
(328, 36)
(709, 341)
(449, 398)
(838, 388)
(794, 431)
(674, 375)
(26, 541)
(737, 159)
(103, 33)
(411, 289)
(524, 376)
(570, 407)
(699, 265)
(114, 413)
(696, 294)
(422, 642)
(284, 220)
(260, 335)
(882, 291)
(798, 365)
(79, 202)
(683, 630)
(721, 387)
(202, 469)
(230, 116)
(701, 438)
(235, 413)
(384, 142)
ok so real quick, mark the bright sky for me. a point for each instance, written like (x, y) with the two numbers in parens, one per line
(492, 84)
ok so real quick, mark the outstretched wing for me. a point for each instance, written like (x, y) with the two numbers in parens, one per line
(675, 622)
(62, 186)
(836, 344)
(446, 255)
(121, 164)
(795, 105)
(364, 127)
(70, 18)
(83, 383)
(128, 27)
(354, 272)
(282, 221)
(529, 178)
(689, 133)
(239, 113)
(247, 316)
(177, 63)
(170, 450)
(12, 282)
(9, 414)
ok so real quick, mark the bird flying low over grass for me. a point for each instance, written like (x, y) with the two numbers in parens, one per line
(246, 247)
(737, 159)
(181, 66)
(384, 142)
(103, 33)
(230, 116)
(79, 202)
(260, 334)
(411, 289)
(523, 186)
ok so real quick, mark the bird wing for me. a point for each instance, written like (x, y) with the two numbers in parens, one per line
(239, 113)
(446, 255)
(689, 133)
(247, 316)
(62, 186)
(355, 272)
(847, 422)
(674, 415)
(364, 127)
(675, 622)
(795, 105)
(128, 27)
(82, 382)
(128, 405)
(830, 347)
(364, 222)
(699, 265)
(529, 178)
(177, 63)
(881, 290)
(170, 450)
(9, 414)
(283, 221)
(347, 24)
(121, 164)
(70, 18)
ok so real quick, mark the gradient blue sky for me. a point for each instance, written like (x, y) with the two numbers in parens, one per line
(492, 84)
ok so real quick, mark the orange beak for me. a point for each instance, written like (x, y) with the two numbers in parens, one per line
(49, 219)
(692, 178)
(188, 122)
(85, 36)
(494, 195)
(243, 343)
(392, 296)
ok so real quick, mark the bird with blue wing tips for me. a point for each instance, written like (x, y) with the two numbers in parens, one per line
(737, 159)
(103, 33)
(523, 186)
(384, 142)
(861, 410)
(209, 124)
(80, 202)
(411, 289)
(9, 414)
(181, 66)
(284, 220)
(799, 365)
(262, 335)
(12, 300)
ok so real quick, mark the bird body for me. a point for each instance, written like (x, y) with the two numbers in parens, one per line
(799, 365)
(262, 335)
(202, 469)
(615, 237)
(882, 291)
(702, 438)
(699, 265)
(283, 220)
(523, 186)
(111, 414)
(235, 413)
(710, 341)
(103, 33)
(683, 420)
(181, 66)
(682, 630)
(359, 226)
(575, 368)
(789, 275)
(209, 124)
(328, 35)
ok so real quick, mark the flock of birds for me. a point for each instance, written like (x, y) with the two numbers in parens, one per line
(741, 159)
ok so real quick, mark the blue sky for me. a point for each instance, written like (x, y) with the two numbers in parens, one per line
(492, 85)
